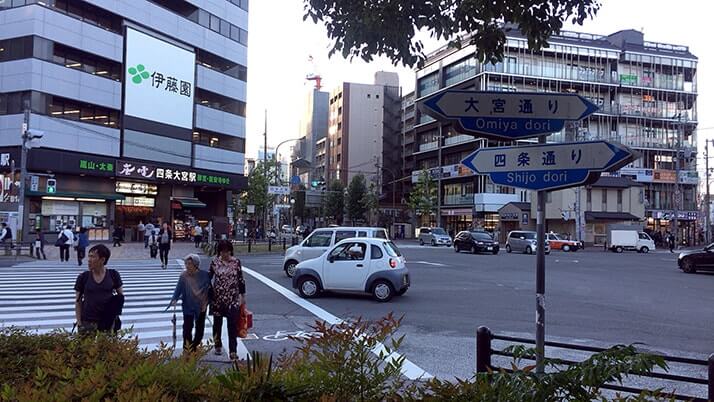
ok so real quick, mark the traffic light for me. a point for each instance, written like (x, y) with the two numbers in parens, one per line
(51, 186)
(317, 182)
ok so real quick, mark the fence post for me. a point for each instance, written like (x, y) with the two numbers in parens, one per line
(270, 244)
(284, 243)
(483, 349)
(710, 378)
(249, 242)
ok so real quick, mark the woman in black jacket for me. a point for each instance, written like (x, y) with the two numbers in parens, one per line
(165, 238)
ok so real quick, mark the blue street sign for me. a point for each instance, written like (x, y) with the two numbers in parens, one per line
(507, 115)
(295, 180)
(549, 166)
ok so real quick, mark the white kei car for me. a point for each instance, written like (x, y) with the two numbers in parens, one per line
(361, 265)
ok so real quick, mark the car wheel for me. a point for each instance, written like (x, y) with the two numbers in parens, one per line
(645, 250)
(382, 291)
(290, 268)
(529, 250)
(688, 267)
(421, 242)
(308, 287)
(508, 248)
(474, 250)
(619, 249)
(456, 248)
(566, 248)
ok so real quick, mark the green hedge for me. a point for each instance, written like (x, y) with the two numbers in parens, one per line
(337, 366)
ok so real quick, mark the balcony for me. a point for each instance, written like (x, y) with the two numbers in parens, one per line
(458, 139)
(428, 146)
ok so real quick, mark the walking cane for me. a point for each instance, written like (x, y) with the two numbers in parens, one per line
(173, 333)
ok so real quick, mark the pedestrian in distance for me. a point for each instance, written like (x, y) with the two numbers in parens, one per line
(6, 235)
(670, 240)
(39, 245)
(194, 290)
(149, 229)
(64, 242)
(153, 242)
(117, 236)
(165, 238)
(140, 228)
(82, 244)
(197, 235)
(228, 295)
(99, 294)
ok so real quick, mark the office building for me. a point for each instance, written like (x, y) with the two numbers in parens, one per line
(313, 131)
(647, 94)
(364, 135)
(142, 104)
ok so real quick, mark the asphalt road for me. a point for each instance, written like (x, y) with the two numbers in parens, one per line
(592, 297)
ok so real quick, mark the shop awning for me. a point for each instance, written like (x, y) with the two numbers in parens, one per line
(72, 194)
(610, 216)
(190, 202)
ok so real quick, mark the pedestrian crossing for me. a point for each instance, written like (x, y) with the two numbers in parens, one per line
(39, 296)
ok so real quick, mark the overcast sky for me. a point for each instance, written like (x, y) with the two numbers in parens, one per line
(280, 44)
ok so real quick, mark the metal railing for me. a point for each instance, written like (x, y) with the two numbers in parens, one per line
(485, 351)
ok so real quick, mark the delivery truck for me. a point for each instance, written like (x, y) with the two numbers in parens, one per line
(621, 240)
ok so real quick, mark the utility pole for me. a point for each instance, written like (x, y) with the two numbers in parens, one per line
(677, 192)
(441, 173)
(23, 173)
(707, 218)
(265, 170)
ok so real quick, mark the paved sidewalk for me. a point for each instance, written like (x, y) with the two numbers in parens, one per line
(128, 251)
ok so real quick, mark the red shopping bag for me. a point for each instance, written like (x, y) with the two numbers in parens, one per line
(245, 321)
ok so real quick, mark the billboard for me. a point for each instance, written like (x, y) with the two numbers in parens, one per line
(158, 80)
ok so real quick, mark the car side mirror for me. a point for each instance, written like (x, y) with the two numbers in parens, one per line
(331, 258)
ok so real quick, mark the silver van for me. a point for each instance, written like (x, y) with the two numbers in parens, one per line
(524, 241)
(320, 240)
(434, 236)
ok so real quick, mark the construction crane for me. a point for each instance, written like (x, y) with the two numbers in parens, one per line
(314, 76)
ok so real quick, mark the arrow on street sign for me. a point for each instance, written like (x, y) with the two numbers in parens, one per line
(507, 115)
(549, 166)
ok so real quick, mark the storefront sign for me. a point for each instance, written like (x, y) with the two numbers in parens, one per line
(639, 175)
(46, 160)
(682, 215)
(34, 183)
(52, 207)
(8, 189)
(664, 176)
(281, 190)
(99, 165)
(126, 169)
(628, 79)
(510, 216)
(137, 202)
(126, 187)
(456, 212)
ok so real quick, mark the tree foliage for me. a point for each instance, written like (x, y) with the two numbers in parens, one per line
(370, 200)
(388, 27)
(334, 201)
(422, 199)
(356, 191)
(257, 185)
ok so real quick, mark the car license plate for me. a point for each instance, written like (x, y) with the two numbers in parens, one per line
(490, 249)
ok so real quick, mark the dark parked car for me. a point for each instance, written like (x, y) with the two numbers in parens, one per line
(475, 242)
(693, 260)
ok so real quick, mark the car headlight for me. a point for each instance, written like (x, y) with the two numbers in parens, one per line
(479, 242)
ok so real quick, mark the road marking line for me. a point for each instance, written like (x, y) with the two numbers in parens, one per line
(409, 369)
(436, 264)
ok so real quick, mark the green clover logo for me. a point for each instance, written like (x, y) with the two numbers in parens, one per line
(138, 73)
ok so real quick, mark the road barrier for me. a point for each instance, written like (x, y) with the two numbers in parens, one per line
(484, 353)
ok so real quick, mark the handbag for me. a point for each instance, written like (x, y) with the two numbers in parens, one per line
(62, 240)
(245, 321)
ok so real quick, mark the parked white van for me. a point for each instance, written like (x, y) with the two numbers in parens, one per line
(621, 240)
(322, 239)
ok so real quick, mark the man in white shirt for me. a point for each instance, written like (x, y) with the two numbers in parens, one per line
(197, 235)
(148, 231)
(64, 246)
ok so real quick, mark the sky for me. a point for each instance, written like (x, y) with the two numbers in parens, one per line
(280, 44)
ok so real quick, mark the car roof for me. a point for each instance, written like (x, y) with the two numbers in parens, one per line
(370, 240)
(351, 228)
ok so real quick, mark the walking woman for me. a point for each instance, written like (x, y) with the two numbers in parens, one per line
(193, 288)
(228, 295)
(82, 244)
(165, 237)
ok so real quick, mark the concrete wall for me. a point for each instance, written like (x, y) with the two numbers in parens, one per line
(366, 118)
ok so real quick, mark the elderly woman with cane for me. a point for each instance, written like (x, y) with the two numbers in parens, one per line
(194, 290)
(229, 295)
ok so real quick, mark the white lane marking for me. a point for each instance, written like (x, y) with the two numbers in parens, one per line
(409, 369)
(436, 264)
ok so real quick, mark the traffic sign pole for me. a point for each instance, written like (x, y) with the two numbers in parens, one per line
(540, 278)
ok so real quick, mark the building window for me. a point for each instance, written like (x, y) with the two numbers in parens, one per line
(460, 71)
(16, 48)
(88, 13)
(208, 20)
(428, 84)
(86, 113)
(76, 59)
(220, 102)
(604, 199)
(225, 66)
(589, 200)
(220, 141)
(619, 200)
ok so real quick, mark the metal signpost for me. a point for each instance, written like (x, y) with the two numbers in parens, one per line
(509, 116)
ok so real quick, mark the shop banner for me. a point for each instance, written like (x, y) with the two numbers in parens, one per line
(176, 174)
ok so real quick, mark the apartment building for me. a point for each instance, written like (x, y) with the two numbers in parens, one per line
(647, 94)
(142, 104)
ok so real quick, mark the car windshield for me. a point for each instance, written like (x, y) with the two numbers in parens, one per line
(438, 231)
(554, 236)
(392, 249)
(481, 236)
(528, 235)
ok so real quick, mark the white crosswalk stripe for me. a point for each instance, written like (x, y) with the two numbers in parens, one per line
(40, 296)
